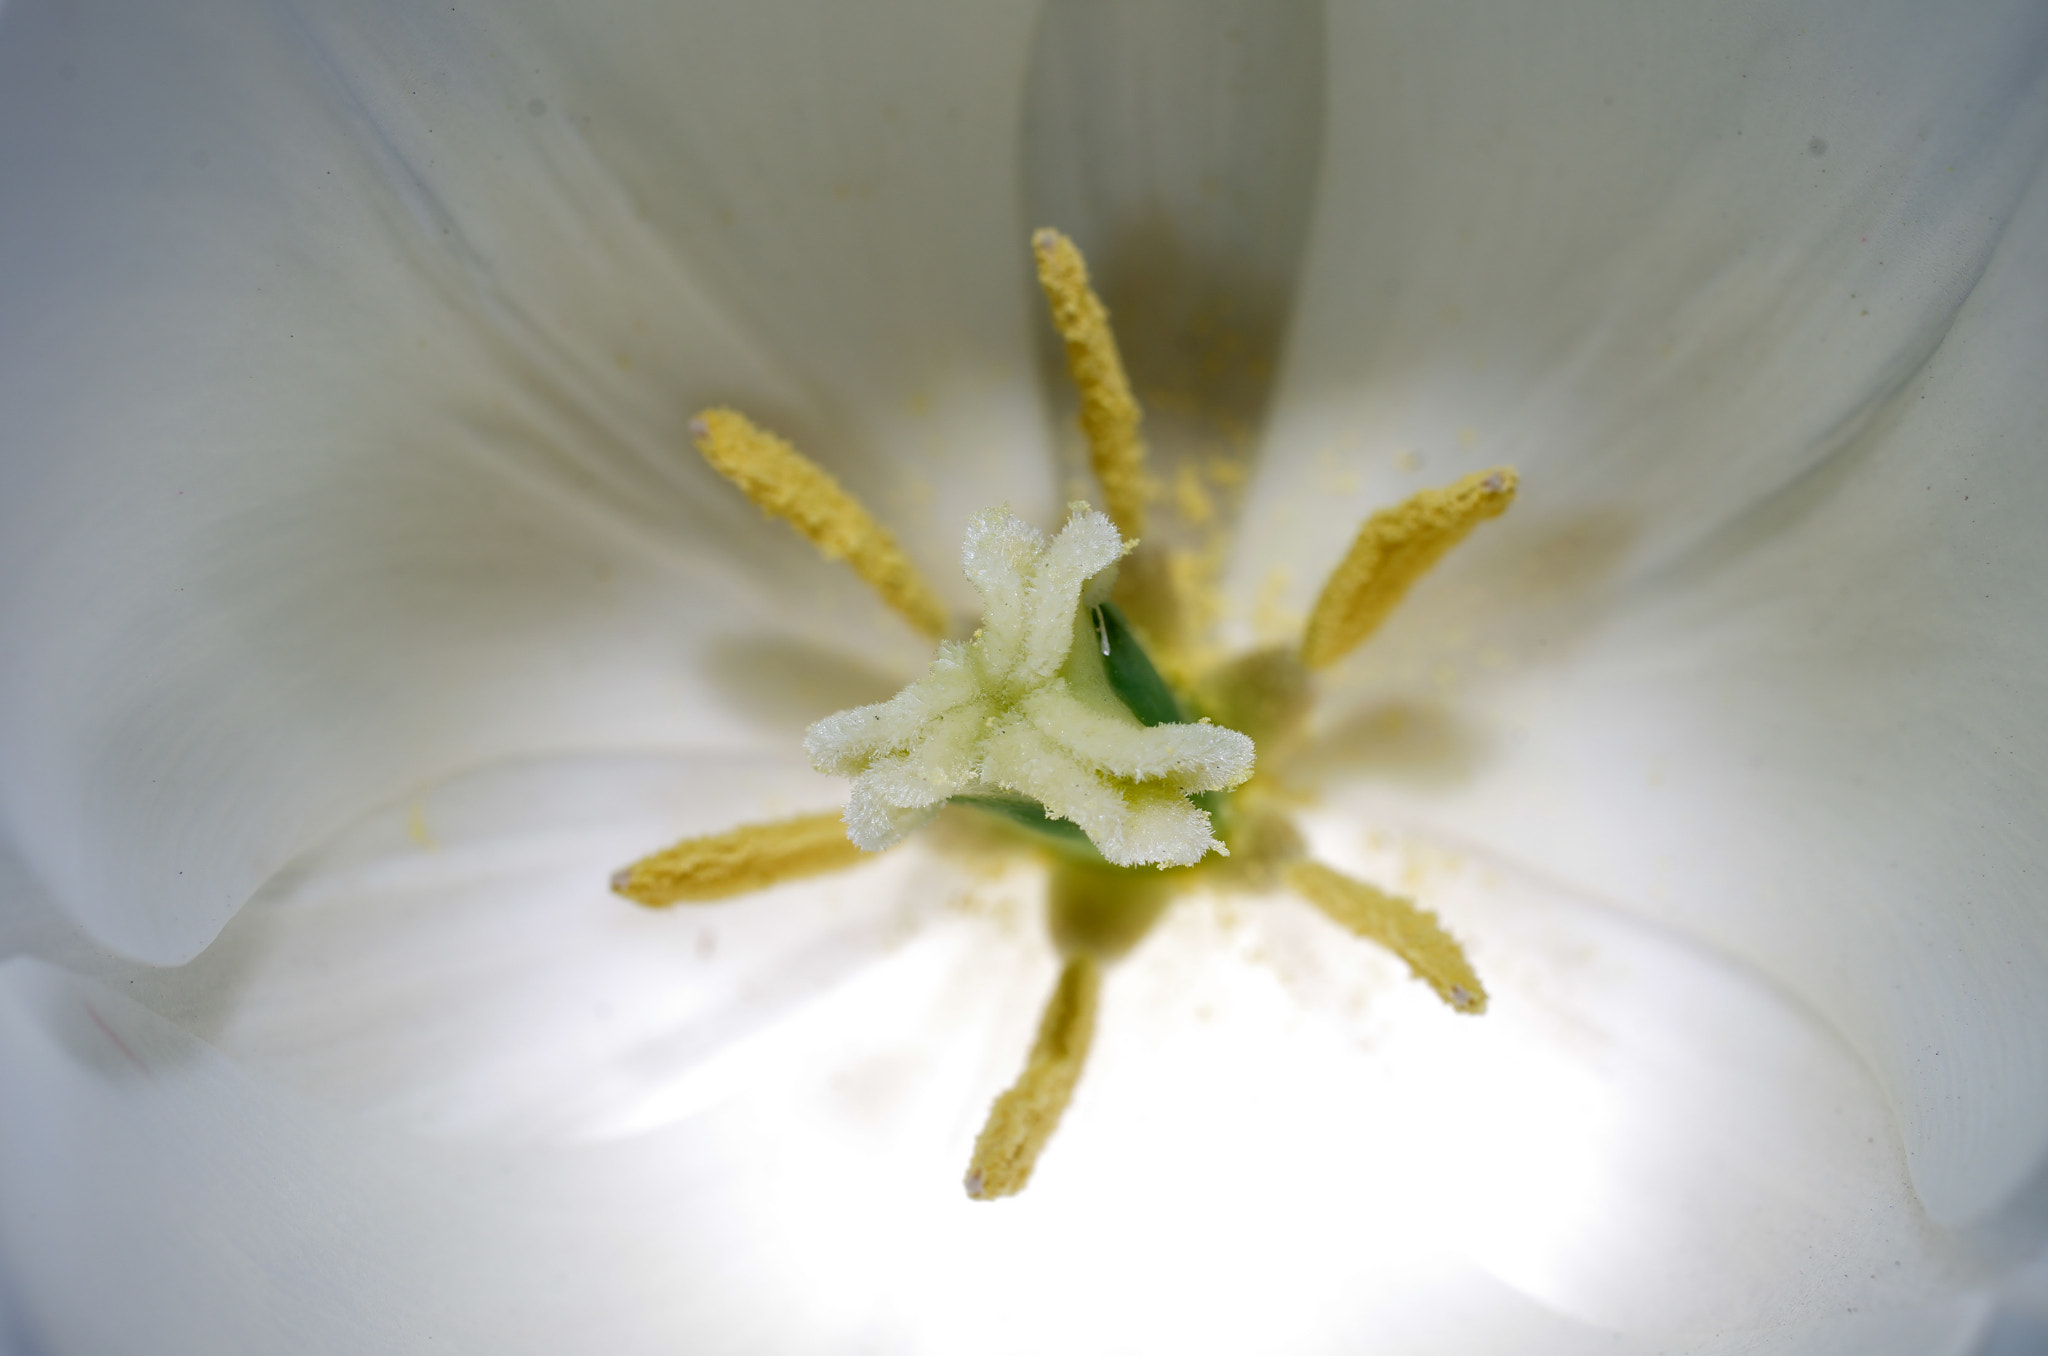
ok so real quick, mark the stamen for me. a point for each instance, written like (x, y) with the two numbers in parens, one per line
(1023, 1118)
(752, 857)
(786, 484)
(1109, 412)
(1395, 548)
(1411, 933)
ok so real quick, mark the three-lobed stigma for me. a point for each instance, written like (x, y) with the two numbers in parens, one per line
(1052, 717)
(1027, 707)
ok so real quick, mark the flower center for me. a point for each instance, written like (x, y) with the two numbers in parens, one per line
(1052, 717)
(1028, 708)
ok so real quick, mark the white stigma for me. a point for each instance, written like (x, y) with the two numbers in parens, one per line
(1026, 707)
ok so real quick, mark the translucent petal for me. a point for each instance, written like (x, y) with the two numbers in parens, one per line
(348, 355)
(456, 966)
(310, 643)
(1663, 259)
(846, 182)
(1642, 1133)
(1813, 742)
(814, 1207)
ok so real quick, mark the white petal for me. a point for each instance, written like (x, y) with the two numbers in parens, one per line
(229, 1218)
(456, 965)
(846, 182)
(1662, 258)
(345, 444)
(2021, 1323)
(810, 1213)
(1636, 1132)
(1817, 744)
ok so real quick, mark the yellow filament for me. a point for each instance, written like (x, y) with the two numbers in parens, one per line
(1412, 934)
(752, 857)
(787, 484)
(1395, 548)
(1109, 412)
(1023, 1119)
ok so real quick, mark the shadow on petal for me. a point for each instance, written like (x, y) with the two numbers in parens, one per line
(1412, 742)
(1180, 147)
(781, 681)
(456, 964)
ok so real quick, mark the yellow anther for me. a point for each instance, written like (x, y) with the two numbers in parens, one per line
(1412, 934)
(1395, 548)
(1024, 1118)
(740, 860)
(1109, 412)
(787, 484)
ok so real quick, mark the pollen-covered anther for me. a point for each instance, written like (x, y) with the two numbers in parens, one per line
(1026, 707)
(1022, 1120)
(1396, 547)
(786, 484)
(1409, 932)
(738, 861)
(1109, 412)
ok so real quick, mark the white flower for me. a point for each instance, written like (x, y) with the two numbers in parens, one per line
(347, 355)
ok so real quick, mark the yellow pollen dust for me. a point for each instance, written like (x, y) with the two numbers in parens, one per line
(1023, 1118)
(1412, 934)
(1395, 548)
(1109, 412)
(739, 861)
(786, 484)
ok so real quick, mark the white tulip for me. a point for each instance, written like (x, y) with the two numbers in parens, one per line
(363, 607)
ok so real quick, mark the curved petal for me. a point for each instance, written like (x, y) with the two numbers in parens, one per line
(227, 1217)
(1816, 743)
(1662, 258)
(455, 965)
(1637, 1135)
(807, 1215)
(347, 368)
(1640, 1133)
